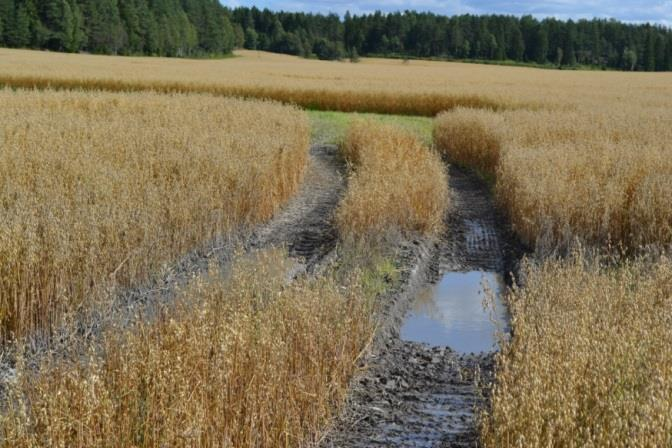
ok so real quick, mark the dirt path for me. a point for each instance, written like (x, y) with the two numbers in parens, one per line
(413, 395)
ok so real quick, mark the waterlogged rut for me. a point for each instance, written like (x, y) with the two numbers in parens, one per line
(417, 389)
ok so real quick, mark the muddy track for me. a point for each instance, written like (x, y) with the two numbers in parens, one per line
(410, 394)
(304, 225)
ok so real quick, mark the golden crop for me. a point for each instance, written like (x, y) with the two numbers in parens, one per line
(372, 85)
(601, 174)
(471, 137)
(242, 360)
(397, 183)
(102, 189)
(590, 363)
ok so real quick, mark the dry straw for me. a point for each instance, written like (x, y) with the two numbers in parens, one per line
(600, 175)
(471, 137)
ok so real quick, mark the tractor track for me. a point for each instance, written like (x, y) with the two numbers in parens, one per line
(413, 395)
(406, 394)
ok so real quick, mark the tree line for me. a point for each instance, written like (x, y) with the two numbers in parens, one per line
(597, 42)
(190, 28)
(129, 27)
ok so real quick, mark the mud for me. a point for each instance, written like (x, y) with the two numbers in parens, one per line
(306, 225)
(410, 394)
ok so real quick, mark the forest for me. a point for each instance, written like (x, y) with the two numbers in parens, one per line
(197, 28)
(598, 42)
(182, 28)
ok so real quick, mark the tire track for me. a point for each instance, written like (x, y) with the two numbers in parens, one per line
(306, 225)
(414, 395)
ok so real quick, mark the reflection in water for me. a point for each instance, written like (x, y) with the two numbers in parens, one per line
(458, 313)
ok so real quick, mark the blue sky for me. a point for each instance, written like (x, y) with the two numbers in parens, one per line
(658, 11)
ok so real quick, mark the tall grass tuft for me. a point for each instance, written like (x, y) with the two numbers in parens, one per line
(396, 183)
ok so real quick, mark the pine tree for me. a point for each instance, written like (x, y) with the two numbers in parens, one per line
(149, 28)
(106, 31)
(517, 45)
(668, 54)
(18, 28)
(6, 13)
(128, 10)
(660, 52)
(251, 39)
(568, 49)
(541, 47)
(68, 32)
(650, 51)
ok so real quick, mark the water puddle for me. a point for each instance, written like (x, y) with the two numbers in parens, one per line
(456, 314)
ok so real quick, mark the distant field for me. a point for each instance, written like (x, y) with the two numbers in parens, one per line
(373, 85)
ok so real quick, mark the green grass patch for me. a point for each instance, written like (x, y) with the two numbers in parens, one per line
(330, 127)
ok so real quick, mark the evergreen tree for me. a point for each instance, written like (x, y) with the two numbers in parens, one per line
(659, 55)
(130, 16)
(541, 45)
(239, 36)
(568, 49)
(517, 45)
(251, 39)
(149, 29)
(650, 51)
(6, 13)
(17, 33)
(667, 65)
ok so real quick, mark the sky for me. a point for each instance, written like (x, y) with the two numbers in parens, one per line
(654, 11)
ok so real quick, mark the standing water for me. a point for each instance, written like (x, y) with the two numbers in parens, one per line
(458, 312)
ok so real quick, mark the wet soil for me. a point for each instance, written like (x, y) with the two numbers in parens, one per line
(410, 394)
(306, 225)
